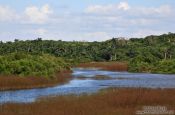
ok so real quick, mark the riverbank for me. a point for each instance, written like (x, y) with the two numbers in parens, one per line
(163, 67)
(14, 82)
(21, 70)
(110, 66)
(114, 101)
(17, 82)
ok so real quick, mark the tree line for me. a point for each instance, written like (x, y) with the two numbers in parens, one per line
(150, 54)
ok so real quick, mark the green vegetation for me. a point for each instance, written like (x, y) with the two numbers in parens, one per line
(165, 66)
(150, 54)
(23, 64)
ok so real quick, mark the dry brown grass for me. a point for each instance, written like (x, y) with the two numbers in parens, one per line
(112, 66)
(108, 102)
(16, 82)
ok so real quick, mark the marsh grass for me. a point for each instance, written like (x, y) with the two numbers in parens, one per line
(111, 66)
(16, 82)
(113, 101)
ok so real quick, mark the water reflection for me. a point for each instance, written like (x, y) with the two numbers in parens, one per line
(90, 85)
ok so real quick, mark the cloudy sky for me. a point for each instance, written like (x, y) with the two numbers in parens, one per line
(89, 20)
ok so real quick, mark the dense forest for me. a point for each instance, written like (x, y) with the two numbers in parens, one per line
(154, 54)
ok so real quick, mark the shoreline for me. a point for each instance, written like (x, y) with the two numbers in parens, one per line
(9, 83)
(125, 101)
(12, 82)
(115, 66)
(110, 66)
(19, 83)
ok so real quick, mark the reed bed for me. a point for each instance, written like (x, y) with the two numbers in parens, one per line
(115, 101)
(111, 66)
(16, 82)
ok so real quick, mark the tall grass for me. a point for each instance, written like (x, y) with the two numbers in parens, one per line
(112, 66)
(12, 82)
(108, 102)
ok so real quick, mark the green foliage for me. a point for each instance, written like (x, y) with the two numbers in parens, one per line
(165, 66)
(31, 65)
(143, 54)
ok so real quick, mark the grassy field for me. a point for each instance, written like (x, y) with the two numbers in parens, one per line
(16, 82)
(111, 66)
(108, 102)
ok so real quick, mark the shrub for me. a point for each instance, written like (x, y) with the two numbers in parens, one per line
(24, 64)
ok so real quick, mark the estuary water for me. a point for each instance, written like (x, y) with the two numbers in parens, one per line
(90, 80)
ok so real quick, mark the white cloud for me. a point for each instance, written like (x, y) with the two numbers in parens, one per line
(122, 6)
(87, 36)
(31, 14)
(151, 12)
(122, 15)
(41, 31)
(96, 36)
(146, 32)
(99, 8)
(7, 14)
(95, 23)
(165, 9)
(124, 9)
(37, 15)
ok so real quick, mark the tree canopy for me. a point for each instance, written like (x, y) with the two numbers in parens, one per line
(142, 54)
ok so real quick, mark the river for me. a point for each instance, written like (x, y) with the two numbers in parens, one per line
(90, 81)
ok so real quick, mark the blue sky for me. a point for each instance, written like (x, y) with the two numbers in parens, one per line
(89, 20)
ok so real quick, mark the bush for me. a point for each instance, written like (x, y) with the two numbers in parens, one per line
(165, 66)
(23, 64)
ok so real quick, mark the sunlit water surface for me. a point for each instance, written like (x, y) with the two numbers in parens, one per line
(84, 81)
